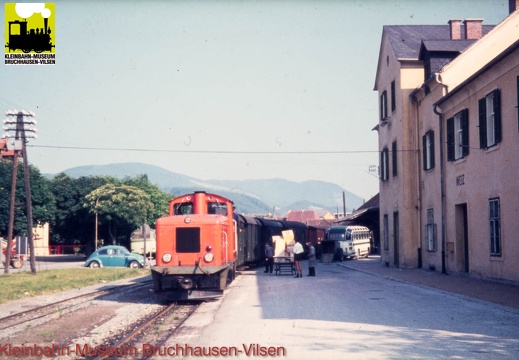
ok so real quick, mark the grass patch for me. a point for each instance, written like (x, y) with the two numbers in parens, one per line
(24, 284)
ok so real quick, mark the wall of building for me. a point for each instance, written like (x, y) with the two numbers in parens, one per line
(429, 180)
(41, 240)
(457, 192)
(484, 174)
(395, 199)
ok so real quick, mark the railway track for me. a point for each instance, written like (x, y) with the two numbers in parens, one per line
(146, 338)
(98, 325)
(62, 306)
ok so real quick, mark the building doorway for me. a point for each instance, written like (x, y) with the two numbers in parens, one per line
(395, 239)
(462, 237)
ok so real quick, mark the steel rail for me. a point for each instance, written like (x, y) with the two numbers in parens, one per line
(21, 316)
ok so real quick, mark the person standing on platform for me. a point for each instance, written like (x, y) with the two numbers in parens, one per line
(298, 256)
(311, 259)
(269, 258)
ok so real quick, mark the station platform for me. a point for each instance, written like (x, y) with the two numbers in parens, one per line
(356, 310)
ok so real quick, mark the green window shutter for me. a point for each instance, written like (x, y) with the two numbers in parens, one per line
(497, 114)
(394, 158)
(465, 131)
(382, 167)
(482, 123)
(381, 107)
(432, 149)
(393, 96)
(424, 151)
(450, 139)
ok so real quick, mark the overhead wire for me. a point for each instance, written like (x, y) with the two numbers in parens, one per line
(203, 151)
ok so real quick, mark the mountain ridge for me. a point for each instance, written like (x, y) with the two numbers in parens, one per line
(251, 196)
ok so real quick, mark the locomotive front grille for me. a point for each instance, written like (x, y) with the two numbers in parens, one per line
(188, 240)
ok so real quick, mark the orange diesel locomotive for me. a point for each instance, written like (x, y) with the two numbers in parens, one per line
(196, 248)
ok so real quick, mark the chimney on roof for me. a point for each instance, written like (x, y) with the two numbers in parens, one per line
(473, 29)
(455, 26)
(513, 5)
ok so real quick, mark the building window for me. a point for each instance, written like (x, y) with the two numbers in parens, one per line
(393, 96)
(394, 159)
(427, 70)
(430, 231)
(383, 106)
(490, 120)
(458, 136)
(386, 232)
(495, 227)
(428, 150)
(384, 164)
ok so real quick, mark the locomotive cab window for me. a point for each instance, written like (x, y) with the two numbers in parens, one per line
(184, 208)
(217, 208)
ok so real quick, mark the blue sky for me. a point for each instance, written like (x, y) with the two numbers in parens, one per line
(219, 89)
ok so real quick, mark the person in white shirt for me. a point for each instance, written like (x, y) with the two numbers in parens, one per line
(298, 256)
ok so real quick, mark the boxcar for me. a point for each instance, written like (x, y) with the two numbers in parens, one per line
(250, 249)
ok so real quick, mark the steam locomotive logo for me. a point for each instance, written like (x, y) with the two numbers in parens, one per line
(29, 27)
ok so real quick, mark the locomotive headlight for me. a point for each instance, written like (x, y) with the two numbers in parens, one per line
(166, 258)
(208, 257)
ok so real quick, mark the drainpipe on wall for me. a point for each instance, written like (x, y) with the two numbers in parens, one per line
(419, 205)
(442, 184)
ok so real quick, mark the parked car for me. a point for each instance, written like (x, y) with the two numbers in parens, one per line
(114, 256)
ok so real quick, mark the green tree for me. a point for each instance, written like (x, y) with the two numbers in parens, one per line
(74, 224)
(159, 198)
(43, 201)
(123, 207)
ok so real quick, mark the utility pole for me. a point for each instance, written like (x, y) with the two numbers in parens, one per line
(21, 133)
(11, 213)
(144, 242)
(344, 203)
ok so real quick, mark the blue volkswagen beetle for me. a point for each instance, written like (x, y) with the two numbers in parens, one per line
(114, 256)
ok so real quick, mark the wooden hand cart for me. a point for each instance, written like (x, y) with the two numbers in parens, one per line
(284, 264)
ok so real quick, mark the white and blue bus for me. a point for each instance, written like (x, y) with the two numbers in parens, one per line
(347, 242)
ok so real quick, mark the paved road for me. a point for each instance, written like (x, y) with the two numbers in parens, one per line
(347, 314)
(49, 262)
(54, 262)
